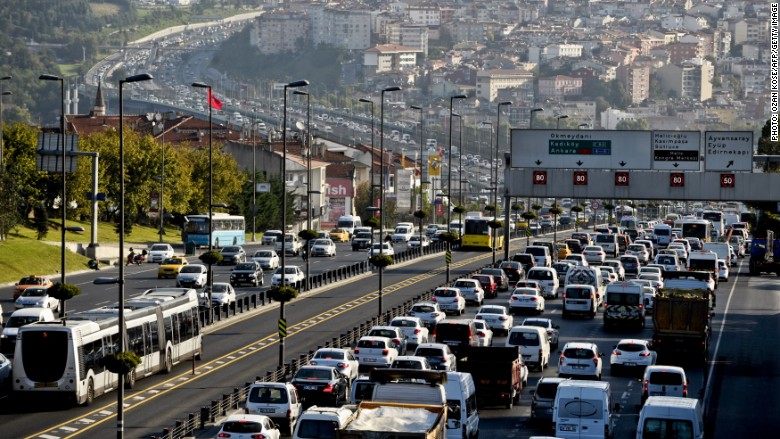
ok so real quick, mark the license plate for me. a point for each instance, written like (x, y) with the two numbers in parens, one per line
(629, 364)
(451, 343)
(268, 410)
(41, 385)
(578, 366)
(370, 360)
(568, 428)
(309, 387)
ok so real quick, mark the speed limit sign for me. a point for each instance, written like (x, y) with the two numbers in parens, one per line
(727, 180)
(676, 179)
(540, 177)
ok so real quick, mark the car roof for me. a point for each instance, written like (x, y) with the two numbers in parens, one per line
(580, 345)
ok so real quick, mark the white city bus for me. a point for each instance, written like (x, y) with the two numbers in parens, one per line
(161, 326)
(697, 228)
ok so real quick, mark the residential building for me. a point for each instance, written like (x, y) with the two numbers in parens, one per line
(385, 58)
(489, 82)
(636, 81)
(278, 31)
(559, 86)
(688, 80)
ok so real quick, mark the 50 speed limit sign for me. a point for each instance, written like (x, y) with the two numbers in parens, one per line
(727, 180)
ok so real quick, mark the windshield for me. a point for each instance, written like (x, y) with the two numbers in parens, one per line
(523, 338)
(245, 266)
(17, 321)
(34, 292)
(404, 323)
(263, 254)
(159, 248)
(423, 308)
(623, 299)
(329, 355)
(191, 269)
(322, 242)
(231, 249)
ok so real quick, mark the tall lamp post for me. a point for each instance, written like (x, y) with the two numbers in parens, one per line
(120, 422)
(495, 186)
(533, 113)
(294, 84)
(210, 316)
(558, 120)
(161, 124)
(528, 204)
(3, 93)
(422, 163)
(61, 145)
(371, 185)
(382, 180)
(460, 168)
(449, 173)
(254, 175)
(308, 173)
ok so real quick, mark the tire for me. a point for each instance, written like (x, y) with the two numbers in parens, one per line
(90, 393)
(130, 380)
(168, 367)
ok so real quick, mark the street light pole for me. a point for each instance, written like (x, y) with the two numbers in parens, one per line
(533, 112)
(308, 175)
(61, 145)
(254, 175)
(295, 84)
(210, 316)
(449, 174)
(371, 185)
(120, 422)
(558, 120)
(162, 182)
(381, 182)
(416, 107)
(3, 93)
(495, 186)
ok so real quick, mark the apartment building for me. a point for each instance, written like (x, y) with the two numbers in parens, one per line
(489, 82)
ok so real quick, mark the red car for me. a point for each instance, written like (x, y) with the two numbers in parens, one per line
(488, 283)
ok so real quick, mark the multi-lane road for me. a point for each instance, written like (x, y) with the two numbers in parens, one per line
(739, 383)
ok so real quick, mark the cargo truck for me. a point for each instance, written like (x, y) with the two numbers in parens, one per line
(497, 372)
(765, 255)
(682, 323)
(383, 420)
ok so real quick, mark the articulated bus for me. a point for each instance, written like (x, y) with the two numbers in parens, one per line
(697, 228)
(226, 230)
(67, 359)
(478, 234)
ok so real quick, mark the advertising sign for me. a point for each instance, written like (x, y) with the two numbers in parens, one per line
(339, 188)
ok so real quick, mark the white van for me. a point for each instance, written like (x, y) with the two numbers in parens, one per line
(349, 222)
(547, 278)
(670, 414)
(463, 417)
(541, 254)
(19, 318)
(583, 410)
(587, 276)
(534, 345)
(316, 422)
(662, 234)
(625, 305)
(722, 249)
(580, 299)
(609, 242)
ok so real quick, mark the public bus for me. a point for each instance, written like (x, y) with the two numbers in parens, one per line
(67, 359)
(226, 230)
(718, 222)
(697, 228)
(478, 234)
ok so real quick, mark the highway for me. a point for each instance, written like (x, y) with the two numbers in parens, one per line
(741, 392)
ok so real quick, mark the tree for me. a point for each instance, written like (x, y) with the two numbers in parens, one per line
(63, 293)
(41, 221)
(633, 125)
(768, 147)
(9, 204)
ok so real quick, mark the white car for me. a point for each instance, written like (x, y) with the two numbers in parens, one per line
(526, 299)
(723, 270)
(497, 318)
(670, 261)
(223, 294)
(655, 279)
(577, 259)
(340, 359)
(580, 359)
(192, 276)
(249, 426)
(450, 300)
(471, 289)
(323, 247)
(618, 266)
(37, 298)
(268, 259)
(384, 248)
(631, 354)
(414, 241)
(411, 362)
(594, 254)
(608, 273)
(293, 276)
(484, 333)
(639, 251)
(413, 329)
(158, 253)
(375, 352)
(651, 270)
(429, 312)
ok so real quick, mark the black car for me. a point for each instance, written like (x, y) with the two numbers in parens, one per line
(320, 385)
(361, 241)
(502, 280)
(232, 254)
(514, 270)
(526, 259)
(248, 272)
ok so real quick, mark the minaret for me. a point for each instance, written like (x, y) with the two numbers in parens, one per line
(99, 109)
(75, 100)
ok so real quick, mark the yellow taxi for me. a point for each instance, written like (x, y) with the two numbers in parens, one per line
(563, 250)
(170, 267)
(29, 282)
(339, 235)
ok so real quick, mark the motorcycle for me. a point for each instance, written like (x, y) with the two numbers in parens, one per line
(135, 258)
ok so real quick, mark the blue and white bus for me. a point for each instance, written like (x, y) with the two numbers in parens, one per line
(226, 230)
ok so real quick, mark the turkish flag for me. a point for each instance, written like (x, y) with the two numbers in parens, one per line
(213, 101)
